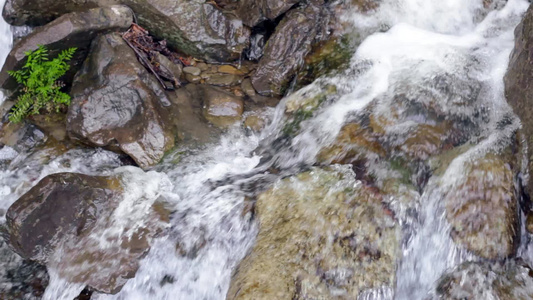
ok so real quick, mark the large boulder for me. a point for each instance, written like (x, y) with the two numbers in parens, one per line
(75, 29)
(482, 208)
(519, 82)
(117, 103)
(64, 219)
(287, 48)
(321, 235)
(194, 27)
(511, 280)
(58, 205)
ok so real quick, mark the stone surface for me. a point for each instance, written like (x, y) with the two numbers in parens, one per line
(56, 222)
(117, 103)
(247, 87)
(482, 208)
(192, 70)
(194, 27)
(220, 107)
(253, 12)
(519, 82)
(57, 206)
(75, 29)
(511, 280)
(287, 47)
(224, 80)
(227, 69)
(320, 234)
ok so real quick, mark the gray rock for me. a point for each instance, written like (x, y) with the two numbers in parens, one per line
(194, 27)
(287, 47)
(192, 70)
(75, 29)
(116, 102)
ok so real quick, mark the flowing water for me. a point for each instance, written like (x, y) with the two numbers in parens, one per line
(414, 41)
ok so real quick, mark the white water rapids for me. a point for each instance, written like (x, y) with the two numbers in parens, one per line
(417, 39)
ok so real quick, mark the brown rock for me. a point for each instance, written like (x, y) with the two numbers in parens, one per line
(519, 82)
(221, 108)
(76, 29)
(116, 101)
(224, 80)
(227, 69)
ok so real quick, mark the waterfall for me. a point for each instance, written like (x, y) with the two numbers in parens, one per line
(407, 41)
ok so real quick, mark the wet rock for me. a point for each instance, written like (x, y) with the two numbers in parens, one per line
(192, 70)
(202, 66)
(195, 27)
(193, 78)
(511, 280)
(320, 234)
(224, 80)
(63, 220)
(529, 223)
(23, 137)
(220, 107)
(75, 29)
(287, 47)
(58, 205)
(116, 102)
(169, 69)
(20, 279)
(247, 87)
(252, 12)
(482, 208)
(227, 69)
(519, 81)
(365, 5)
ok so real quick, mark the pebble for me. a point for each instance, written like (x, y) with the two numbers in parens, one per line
(192, 70)
(202, 66)
(193, 78)
(227, 69)
(224, 80)
(247, 87)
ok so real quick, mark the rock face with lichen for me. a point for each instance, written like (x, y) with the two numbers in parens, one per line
(117, 103)
(482, 208)
(195, 27)
(321, 235)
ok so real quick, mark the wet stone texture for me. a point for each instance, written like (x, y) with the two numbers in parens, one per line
(75, 29)
(321, 236)
(195, 27)
(117, 103)
(67, 223)
(482, 208)
(519, 82)
(511, 280)
(287, 47)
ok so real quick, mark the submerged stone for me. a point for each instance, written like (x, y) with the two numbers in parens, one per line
(511, 280)
(482, 208)
(321, 236)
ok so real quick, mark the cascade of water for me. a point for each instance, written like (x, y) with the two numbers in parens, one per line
(424, 40)
(6, 40)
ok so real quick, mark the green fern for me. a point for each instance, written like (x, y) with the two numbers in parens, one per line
(40, 88)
